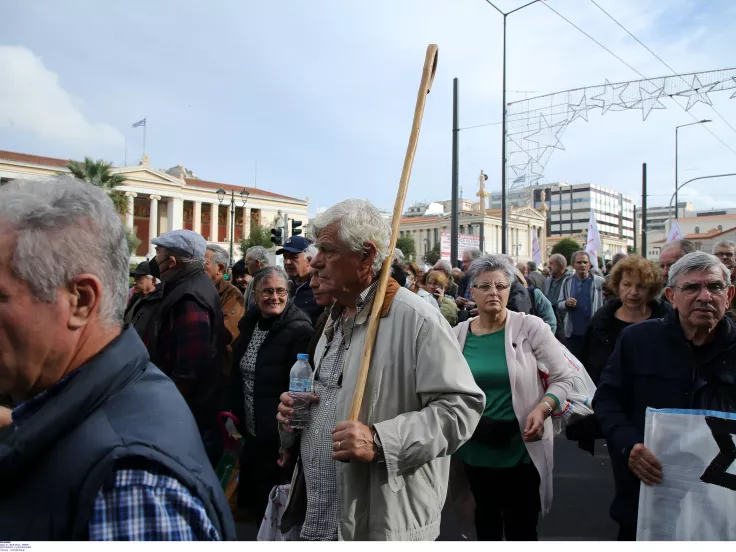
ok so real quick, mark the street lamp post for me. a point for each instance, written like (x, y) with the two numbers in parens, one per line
(669, 210)
(503, 124)
(677, 214)
(244, 198)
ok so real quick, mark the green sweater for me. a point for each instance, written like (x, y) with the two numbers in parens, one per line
(486, 356)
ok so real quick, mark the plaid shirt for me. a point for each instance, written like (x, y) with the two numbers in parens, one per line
(135, 504)
(184, 341)
(148, 505)
(320, 522)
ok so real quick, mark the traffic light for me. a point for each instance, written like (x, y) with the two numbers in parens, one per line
(295, 230)
(276, 236)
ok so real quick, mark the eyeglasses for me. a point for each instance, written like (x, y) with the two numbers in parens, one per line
(486, 288)
(727, 255)
(268, 292)
(693, 289)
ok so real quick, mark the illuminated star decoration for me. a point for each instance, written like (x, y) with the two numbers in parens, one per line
(697, 93)
(579, 110)
(611, 95)
(734, 94)
(650, 100)
(546, 136)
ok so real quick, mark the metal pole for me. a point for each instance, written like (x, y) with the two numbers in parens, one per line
(644, 210)
(634, 228)
(676, 213)
(503, 148)
(455, 161)
(232, 224)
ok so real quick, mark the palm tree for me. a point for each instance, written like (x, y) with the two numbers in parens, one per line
(98, 174)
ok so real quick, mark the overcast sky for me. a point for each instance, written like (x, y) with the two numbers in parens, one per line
(320, 94)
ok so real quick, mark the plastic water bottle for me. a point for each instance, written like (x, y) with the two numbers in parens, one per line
(300, 389)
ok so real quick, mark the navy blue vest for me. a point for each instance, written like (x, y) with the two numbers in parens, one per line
(118, 407)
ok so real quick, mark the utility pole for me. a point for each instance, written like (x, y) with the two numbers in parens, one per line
(455, 161)
(286, 227)
(635, 228)
(644, 210)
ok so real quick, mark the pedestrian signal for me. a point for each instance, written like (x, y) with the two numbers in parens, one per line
(276, 236)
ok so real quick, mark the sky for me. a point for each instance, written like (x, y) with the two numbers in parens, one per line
(317, 97)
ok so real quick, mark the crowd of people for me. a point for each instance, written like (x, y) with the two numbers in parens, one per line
(110, 395)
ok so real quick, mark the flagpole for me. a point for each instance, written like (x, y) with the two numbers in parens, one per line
(145, 125)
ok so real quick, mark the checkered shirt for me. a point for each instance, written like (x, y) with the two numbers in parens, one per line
(248, 371)
(320, 522)
(148, 505)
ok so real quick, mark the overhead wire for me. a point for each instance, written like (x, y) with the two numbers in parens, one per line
(663, 62)
(546, 5)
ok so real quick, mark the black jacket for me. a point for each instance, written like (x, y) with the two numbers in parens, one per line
(653, 365)
(117, 410)
(303, 297)
(289, 335)
(600, 339)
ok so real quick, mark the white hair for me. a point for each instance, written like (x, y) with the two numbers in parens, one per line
(472, 252)
(66, 227)
(445, 264)
(398, 255)
(360, 223)
(310, 252)
(725, 244)
(268, 272)
(698, 261)
(220, 255)
(258, 253)
(492, 263)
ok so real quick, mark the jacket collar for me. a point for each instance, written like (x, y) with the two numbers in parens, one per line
(80, 394)
(725, 333)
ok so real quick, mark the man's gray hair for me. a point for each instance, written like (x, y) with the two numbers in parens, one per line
(268, 272)
(258, 253)
(473, 253)
(575, 255)
(220, 255)
(698, 261)
(445, 264)
(66, 227)
(685, 246)
(360, 223)
(310, 252)
(531, 266)
(724, 243)
(398, 255)
(491, 263)
(559, 259)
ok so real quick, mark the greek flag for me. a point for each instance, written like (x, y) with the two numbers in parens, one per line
(142, 123)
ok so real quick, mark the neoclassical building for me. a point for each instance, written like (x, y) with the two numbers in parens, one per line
(163, 200)
(426, 223)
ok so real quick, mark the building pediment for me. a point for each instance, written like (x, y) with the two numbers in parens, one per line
(148, 175)
(529, 212)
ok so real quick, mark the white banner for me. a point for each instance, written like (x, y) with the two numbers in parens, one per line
(536, 250)
(464, 241)
(674, 232)
(593, 244)
(697, 497)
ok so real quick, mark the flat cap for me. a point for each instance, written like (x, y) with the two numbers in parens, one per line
(183, 242)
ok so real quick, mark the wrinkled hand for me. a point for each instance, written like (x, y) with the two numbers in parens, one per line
(534, 429)
(286, 458)
(460, 302)
(6, 417)
(645, 465)
(352, 441)
(571, 302)
(286, 410)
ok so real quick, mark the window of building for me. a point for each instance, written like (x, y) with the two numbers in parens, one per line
(436, 235)
(720, 228)
(697, 229)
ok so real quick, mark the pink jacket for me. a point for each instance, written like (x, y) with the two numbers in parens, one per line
(529, 340)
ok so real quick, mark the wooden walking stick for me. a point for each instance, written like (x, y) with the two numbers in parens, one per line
(430, 67)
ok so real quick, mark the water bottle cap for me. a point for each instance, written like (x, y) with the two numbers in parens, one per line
(302, 356)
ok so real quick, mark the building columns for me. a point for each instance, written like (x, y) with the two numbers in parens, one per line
(175, 213)
(153, 223)
(229, 222)
(246, 222)
(197, 218)
(129, 209)
(214, 222)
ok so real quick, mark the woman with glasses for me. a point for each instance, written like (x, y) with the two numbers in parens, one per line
(522, 370)
(272, 333)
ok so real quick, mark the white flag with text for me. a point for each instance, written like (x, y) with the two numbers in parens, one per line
(674, 232)
(593, 244)
(536, 250)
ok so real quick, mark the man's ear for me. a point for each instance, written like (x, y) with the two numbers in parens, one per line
(172, 261)
(369, 254)
(222, 268)
(85, 295)
(670, 294)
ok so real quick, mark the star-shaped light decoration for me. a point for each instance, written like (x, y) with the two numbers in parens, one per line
(547, 135)
(734, 94)
(697, 93)
(579, 110)
(611, 96)
(649, 100)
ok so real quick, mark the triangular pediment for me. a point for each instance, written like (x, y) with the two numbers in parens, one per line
(528, 211)
(148, 175)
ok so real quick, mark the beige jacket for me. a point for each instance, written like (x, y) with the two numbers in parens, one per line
(424, 404)
(529, 340)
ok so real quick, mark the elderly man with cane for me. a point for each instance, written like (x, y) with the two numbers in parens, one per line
(421, 402)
